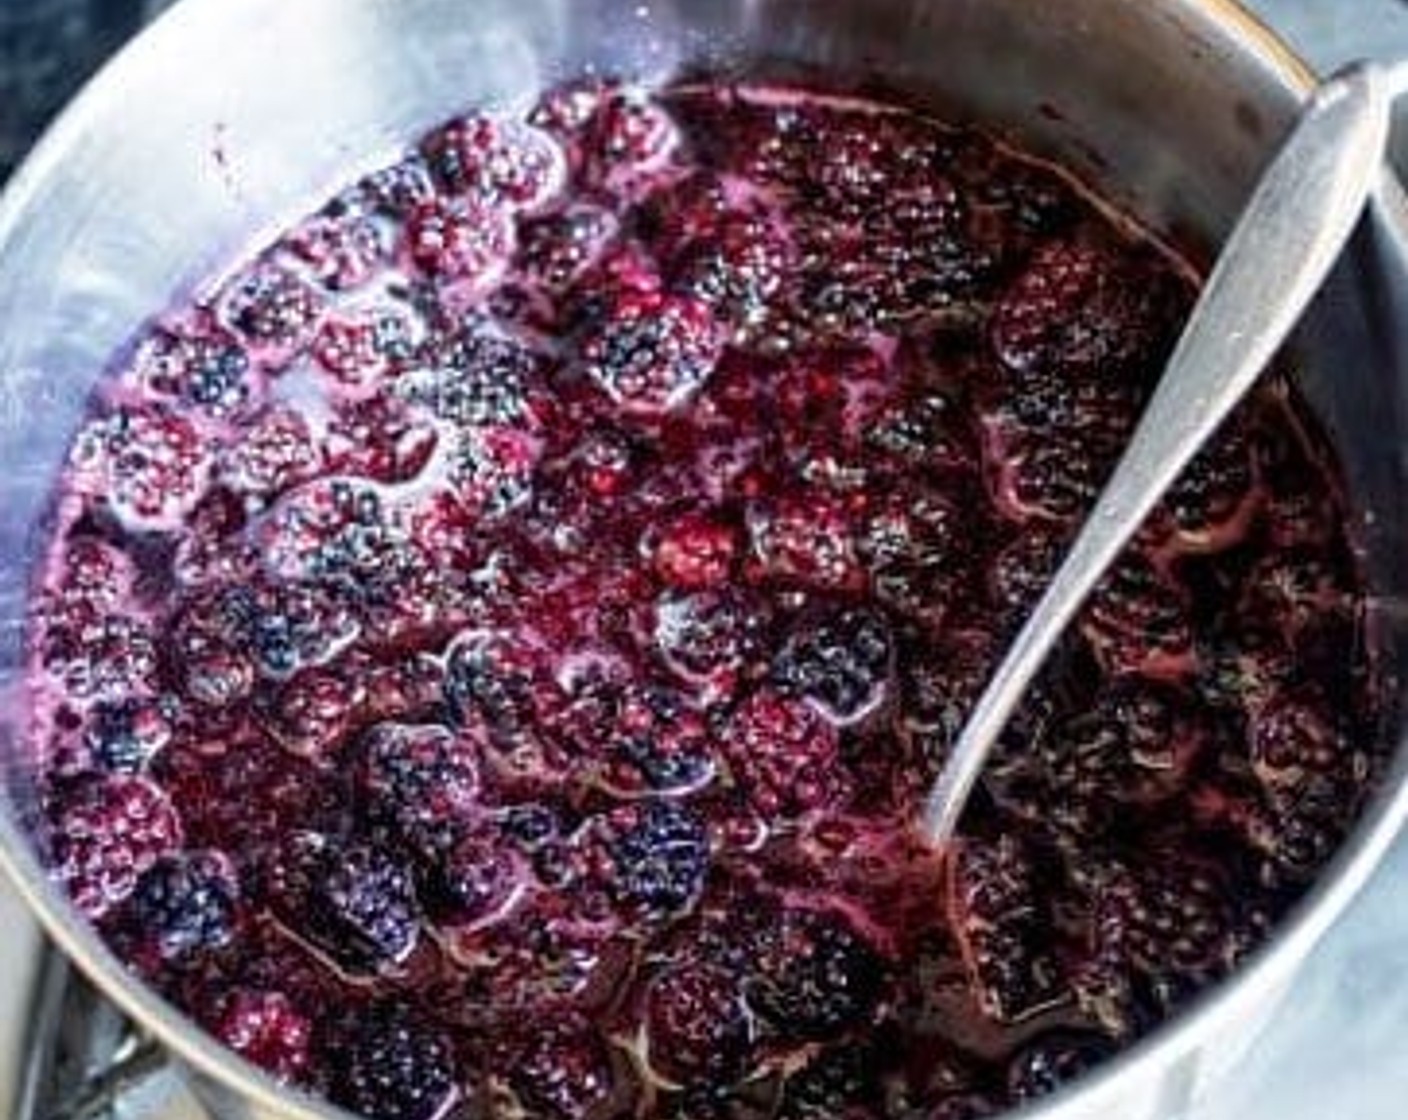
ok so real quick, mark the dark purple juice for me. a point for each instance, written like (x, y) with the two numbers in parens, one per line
(493, 650)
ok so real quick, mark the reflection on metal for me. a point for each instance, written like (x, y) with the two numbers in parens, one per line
(81, 1060)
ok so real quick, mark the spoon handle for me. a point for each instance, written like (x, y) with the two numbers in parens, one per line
(1304, 208)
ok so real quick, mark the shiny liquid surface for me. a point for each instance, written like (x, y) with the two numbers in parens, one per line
(493, 648)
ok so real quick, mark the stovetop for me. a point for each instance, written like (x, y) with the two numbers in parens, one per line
(1336, 1049)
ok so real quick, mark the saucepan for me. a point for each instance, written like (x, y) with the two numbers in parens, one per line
(231, 118)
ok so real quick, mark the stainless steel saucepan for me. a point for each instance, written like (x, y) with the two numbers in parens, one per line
(231, 118)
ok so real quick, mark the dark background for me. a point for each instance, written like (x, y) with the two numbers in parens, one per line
(48, 48)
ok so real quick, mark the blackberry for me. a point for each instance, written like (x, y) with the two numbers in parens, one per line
(277, 451)
(560, 1069)
(1054, 478)
(840, 1083)
(697, 1027)
(361, 349)
(186, 905)
(283, 628)
(397, 190)
(265, 1027)
(297, 627)
(311, 713)
(663, 763)
(472, 378)
(122, 737)
(738, 269)
(530, 825)
(491, 678)
(420, 783)
(208, 370)
(458, 239)
(393, 1067)
(707, 638)
(783, 755)
(1140, 621)
(929, 429)
(1049, 405)
(343, 246)
(1079, 307)
(804, 538)
(653, 353)
(557, 248)
(350, 899)
(650, 741)
(915, 528)
(379, 440)
(695, 550)
(543, 957)
(841, 664)
(1133, 745)
(657, 856)
(1019, 573)
(1003, 928)
(148, 461)
(492, 469)
(817, 976)
(829, 302)
(106, 832)
(1177, 918)
(475, 882)
(1211, 506)
(271, 306)
(504, 164)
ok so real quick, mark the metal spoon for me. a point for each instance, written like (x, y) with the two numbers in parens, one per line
(1302, 212)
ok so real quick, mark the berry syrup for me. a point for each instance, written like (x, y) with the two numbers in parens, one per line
(492, 650)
